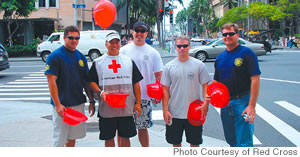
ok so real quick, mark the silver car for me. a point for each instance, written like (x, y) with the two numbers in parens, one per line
(4, 64)
(213, 49)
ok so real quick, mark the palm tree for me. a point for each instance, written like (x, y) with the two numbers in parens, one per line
(200, 11)
(230, 3)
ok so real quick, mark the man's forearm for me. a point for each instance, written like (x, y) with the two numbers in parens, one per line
(254, 91)
(137, 91)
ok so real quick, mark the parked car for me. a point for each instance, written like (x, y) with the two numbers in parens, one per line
(213, 49)
(91, 43)
(4, 64)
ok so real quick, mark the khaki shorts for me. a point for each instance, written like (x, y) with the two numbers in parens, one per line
(63, 131)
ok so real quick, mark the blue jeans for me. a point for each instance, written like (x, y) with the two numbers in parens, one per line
(238, 133)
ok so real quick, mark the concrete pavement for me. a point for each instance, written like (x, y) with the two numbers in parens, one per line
(24, 124)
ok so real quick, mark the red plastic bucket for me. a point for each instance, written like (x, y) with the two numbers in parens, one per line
(219, 94)
(116, 99)
(73, 117)
(154, 90)
(195, 114)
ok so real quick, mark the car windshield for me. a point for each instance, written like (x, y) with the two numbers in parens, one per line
(211, 42)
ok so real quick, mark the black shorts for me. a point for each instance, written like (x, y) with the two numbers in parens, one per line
(174, 132)
(124, 125)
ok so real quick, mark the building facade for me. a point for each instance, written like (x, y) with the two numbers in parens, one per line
(55, 15)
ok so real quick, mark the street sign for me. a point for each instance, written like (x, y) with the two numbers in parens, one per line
(173, 7)
(78, 6)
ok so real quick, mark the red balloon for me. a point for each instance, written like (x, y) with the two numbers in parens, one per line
(219, 94)
(104, 13)
(195, 114)
(73, 117)
(154, 90)
(116, 99)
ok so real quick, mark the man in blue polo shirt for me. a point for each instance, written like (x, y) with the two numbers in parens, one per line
(66, 70)
(237, 67)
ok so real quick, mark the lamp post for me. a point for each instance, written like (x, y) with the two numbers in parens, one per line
(75, 13)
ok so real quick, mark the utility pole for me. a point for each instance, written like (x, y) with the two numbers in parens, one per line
(171, 27)
(75, 13)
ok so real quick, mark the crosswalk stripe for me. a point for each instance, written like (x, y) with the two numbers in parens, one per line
(36, 74)
(290, 107)
(28, 89)
(36, 77)
(255, 139)
(286, 130)
(18, 94)
(22, 86)
(27, 82)
(25, 98)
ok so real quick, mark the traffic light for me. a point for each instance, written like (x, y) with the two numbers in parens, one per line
(161, 14)
(171, 16)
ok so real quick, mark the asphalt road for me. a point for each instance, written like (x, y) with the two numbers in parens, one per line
(278, 105)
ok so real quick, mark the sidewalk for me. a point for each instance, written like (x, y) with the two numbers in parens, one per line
(24, 124)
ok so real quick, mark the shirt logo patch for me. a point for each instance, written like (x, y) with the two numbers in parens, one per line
(238, 62)
(47, 67)
(146, 57)
(191, 75)
(81, 63)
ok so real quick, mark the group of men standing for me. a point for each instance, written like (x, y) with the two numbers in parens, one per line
(129, 69)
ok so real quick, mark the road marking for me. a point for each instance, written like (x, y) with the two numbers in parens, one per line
(255, 139)
(290, 107)
(26, 66)
(18, 94)
(27, 82)
(270, 79)
(36, 74)
(157, 115)
(278, 80)
(27, 98)
(35, 77)
(22, 86)
(286, 130)
(31, 80)
(31, 89)
(8, 73)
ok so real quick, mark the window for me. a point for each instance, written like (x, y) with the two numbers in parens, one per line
(220, 43)
(52, 3)
(241, 42)
(54, 38)
(42, 3)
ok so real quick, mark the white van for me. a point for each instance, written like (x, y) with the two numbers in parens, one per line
(91, 43)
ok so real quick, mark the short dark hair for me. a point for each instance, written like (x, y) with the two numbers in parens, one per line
(70, 29)
(183, 37)
(229, 25)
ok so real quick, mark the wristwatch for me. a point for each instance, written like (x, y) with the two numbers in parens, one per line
(100, 93)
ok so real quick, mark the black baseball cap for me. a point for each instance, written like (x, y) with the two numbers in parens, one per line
(140, 24)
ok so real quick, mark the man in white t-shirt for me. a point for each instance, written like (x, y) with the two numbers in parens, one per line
(149, 63)
(182, 80)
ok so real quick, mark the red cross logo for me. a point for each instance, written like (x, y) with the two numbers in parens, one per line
(114, 66)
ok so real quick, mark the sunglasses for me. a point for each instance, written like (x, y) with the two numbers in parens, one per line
(72, 38)
(140, 30)
(230, 34)
(180, 46)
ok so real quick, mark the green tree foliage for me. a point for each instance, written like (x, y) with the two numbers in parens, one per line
(201, 12)
(13, 9)
(181, 20)
(262, 11)
(230, 3)
(292, 10)
(234, 15)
